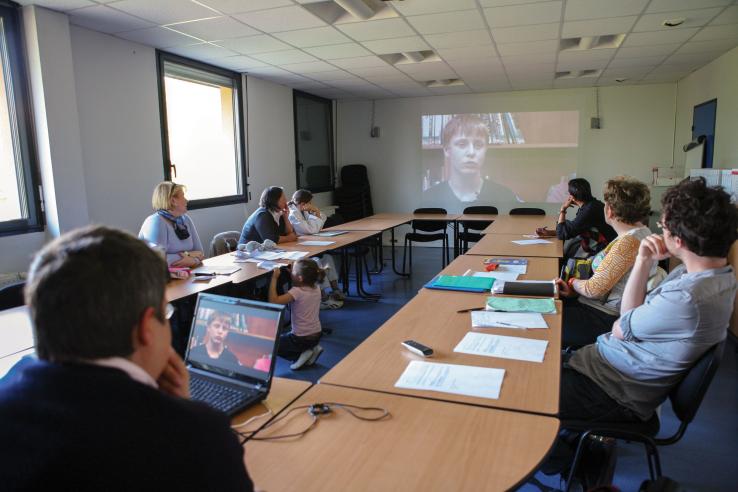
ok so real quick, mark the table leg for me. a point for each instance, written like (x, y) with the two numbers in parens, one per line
(394, 267)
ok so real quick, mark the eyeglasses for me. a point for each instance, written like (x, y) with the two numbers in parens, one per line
(169, 311)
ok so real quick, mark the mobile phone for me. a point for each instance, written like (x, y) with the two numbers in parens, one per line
(417, 348)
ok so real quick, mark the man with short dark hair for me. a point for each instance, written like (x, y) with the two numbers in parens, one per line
(105, 407)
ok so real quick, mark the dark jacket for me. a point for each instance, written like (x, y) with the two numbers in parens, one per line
(590, 217)
(260, 226)
(89, 428)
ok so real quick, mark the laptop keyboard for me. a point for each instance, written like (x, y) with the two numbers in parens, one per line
(218, 396)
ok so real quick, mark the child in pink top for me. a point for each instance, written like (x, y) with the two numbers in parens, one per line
(301, 344)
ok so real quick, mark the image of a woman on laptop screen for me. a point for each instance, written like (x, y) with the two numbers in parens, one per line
(214, 346)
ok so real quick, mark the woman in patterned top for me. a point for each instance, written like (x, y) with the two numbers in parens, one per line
(591, 306)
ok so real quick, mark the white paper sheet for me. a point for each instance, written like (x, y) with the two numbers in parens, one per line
(293, 255)
(316, 243)
(503, 347)
(497, 274)
(217, 270)
(268, 255)
(520, 269)
(524, 242)
(495, 319)
(483, 382)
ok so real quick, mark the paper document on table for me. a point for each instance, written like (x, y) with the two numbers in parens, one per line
(268, 255)
(294, 255)
(316, 243)
(521, 305)
(525, 242)
(483, 382)
(515, 348)
(217, 270)
(497, 274)
(521, 269)
(494, 319)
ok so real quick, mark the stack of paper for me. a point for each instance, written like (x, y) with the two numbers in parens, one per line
(525, 242)
(515, 348)
(494, 319)
(521, 305)
(483, 382)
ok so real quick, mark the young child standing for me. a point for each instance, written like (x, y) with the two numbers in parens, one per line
(301, 344)
(307, 219)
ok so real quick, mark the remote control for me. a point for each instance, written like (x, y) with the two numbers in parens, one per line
(417, 348)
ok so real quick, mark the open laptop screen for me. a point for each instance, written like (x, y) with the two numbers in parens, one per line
(234, 337)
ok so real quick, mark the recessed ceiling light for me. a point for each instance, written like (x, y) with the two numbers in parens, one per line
(673, 22)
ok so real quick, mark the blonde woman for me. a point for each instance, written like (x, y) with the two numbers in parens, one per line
(171, 229)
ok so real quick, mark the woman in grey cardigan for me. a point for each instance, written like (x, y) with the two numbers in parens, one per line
(171, 229)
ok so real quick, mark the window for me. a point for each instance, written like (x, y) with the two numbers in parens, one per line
(314, 142)
(20, 206)
(202, 130)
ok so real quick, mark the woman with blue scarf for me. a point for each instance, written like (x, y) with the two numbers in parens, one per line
(171, 229)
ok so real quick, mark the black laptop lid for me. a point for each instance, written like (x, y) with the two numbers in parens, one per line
(235, 338)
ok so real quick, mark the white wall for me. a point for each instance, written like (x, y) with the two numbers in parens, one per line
(718, 79)
(637, 134)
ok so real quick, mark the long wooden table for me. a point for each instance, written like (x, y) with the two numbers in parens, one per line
(424, 445)
(519, 224)
(431, 318)
(502, 245)
(281, 394)
(538, 268)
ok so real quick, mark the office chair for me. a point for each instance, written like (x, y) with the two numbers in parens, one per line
(224, 242)
(438, 227)
(685, 397)
(11, 295)
(527, 211)
(466, 236)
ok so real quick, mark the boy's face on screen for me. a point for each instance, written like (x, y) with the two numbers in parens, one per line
(218, 329)
(466, 154)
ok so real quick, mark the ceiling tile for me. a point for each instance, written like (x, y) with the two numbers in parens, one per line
(542, 70)
(379, 29)
(597, 27)
(360, 62)
(572, 83)
(309, 67)
(586, 55)
(104, 19)
(319, 36)
(464, 20)
(254, 44)
(659, 37)
(201, 51)
(159, 37)
(269, 72)
(550, 46)
(645, 61)
(419, 92)
(59, 5)
(641, 51)
(397, 45)
(489, 86)
(484, 65)
(459, 39)
(673, 5)
(520, 15)
(215, 29)
(581, 64)
(352, 84)
(331, 75)
(522, 34)
(454, 89)
(707, 46)
(524, 60)
(239, 63)
(338, 51)
(309, 85)
(385, 71)
(711, 33)
(164, 11)
(239, 6)
(594, 9)
(418, 7)
(631, 73)
(694, 18)
(284, 57)
(281, 19)
(466, 53)
(691, 59)
(729, 16)
(428, 71)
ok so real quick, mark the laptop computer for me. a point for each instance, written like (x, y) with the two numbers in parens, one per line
(232, 351)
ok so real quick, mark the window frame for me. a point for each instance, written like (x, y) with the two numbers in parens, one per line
(22, 119)
(332, 187)
(241, 141)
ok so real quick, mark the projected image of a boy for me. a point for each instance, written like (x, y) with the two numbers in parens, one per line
(214, 345)
(465, 139)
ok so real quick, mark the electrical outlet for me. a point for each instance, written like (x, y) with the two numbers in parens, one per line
(595, 123)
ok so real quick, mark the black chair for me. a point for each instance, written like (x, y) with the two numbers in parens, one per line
(466, 236)
(224, 242)
(527, 211)
(430, 230)
(354, 197)
(11, 295)
(686, 398)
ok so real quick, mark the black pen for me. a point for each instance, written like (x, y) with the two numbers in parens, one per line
(470, 309)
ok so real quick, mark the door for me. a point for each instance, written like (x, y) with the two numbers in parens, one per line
(703, 123)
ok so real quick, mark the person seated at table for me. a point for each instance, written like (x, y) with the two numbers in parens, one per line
(589, 226)
(106, 405)
(170, 229)
(659, 336)
(269, 221)
(307, 219)
(592, 305)
(301, 345)
(214, 347)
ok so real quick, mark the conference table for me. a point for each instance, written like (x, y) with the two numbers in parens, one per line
(538, 268)
(502, 245)
(519, 224)
(423, 445)
(282, 393)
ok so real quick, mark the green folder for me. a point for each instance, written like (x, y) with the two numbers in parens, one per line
(521, 305)
(459, 282)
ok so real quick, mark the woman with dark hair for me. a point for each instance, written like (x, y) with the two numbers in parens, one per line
(589, 225)
(269, 221)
